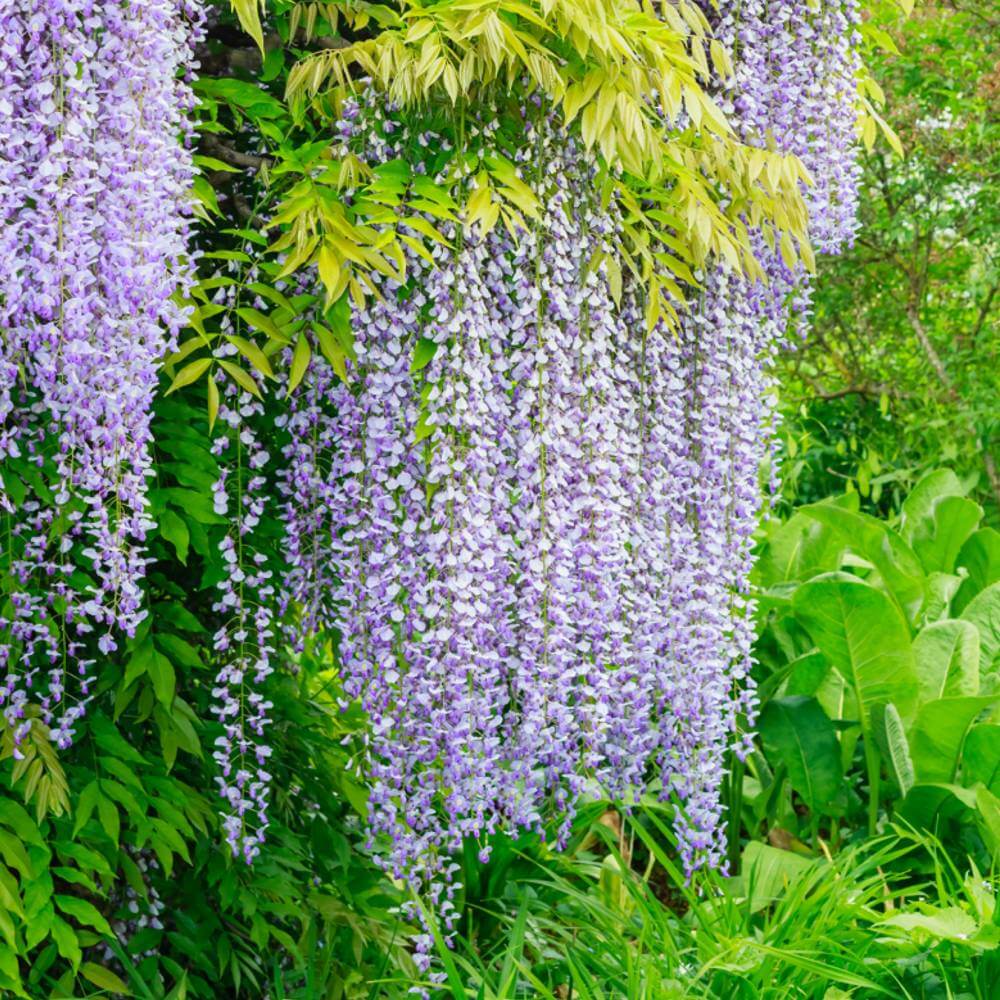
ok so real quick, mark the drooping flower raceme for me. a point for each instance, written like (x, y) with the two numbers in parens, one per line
(536, 514)
(93, 227)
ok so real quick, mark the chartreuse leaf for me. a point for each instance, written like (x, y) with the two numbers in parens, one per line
(796, 731)
(104, 979)
(248, 12)
(946, 654)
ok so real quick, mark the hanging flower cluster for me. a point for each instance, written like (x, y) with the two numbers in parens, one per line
(93, 225)
(527, 517)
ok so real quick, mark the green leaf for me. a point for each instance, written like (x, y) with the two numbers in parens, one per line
(917, 511)
(947, 660)
(161, 672)
(257, 319)
(422, 354)
(890, 735)
(175, 530)
(767, 872)
(980, 556)
(801, 548)
(938, 544)
(83, 912)
(104, 979)
(938, 734)
(894, 560)
(863, 635)
(983, 611)
(935, 924)
(66, 941)
(188, 374)
(981, 757)
(107, 813)
(796, 731)
(257, 358)
(300, 362)
(931, 805)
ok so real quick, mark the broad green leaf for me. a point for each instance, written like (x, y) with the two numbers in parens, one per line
(767, 872)
(983, 611)
(806, 674)
(981, 757)
(980, 557)
(947, 660)
(424, 350)
(890, 735)
(935, 924)
(917, 511)
(928, 805)
(938, 733)
(988, 810)
(938, 543)
(796, 731)
(863, 635)
(893, 559)
(801, 548)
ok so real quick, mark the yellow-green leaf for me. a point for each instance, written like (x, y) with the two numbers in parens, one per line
(104, 979)
(188, 374)
(300, 362)
(241, 377)
(249, 14)
(253, 354)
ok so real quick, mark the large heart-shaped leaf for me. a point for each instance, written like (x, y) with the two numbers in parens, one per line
(796, 731)
(947, 659)
(863, 635)
(938, 734)
(894, 560)
(984, 612)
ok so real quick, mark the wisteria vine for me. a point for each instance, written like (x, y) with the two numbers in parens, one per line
(525, 516)
(94, 216)
(538, 541)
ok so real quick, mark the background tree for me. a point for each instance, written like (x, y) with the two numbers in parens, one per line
(900, 368)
